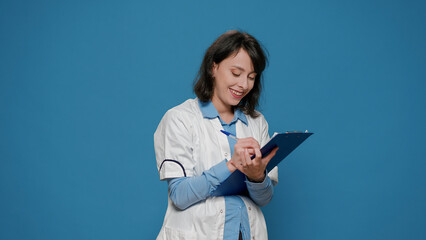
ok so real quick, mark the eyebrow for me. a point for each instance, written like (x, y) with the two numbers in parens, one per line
(242, 69)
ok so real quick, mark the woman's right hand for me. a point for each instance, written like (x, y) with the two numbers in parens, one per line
(254, 168)
(239, 148)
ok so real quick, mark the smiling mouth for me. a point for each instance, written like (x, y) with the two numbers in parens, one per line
(236, 94)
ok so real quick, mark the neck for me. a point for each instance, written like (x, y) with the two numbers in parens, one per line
(226, 113)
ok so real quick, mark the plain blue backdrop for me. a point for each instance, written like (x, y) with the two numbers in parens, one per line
(83, 85)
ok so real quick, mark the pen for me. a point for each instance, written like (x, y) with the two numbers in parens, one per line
(229, 134)
(234, 137)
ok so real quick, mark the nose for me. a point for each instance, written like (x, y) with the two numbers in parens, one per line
(243, 83)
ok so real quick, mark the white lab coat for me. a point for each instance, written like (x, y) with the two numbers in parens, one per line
(186, 144)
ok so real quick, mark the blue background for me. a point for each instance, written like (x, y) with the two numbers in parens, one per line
(85, 83)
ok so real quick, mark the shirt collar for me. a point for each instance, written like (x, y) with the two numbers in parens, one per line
(209, 111)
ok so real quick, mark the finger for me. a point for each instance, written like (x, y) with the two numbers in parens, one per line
(248, 160)
(238, 166)
(236, 157)
(248, 143)
(251, 151)
(243, 157)
(270, 155)
(253, 142)
(258, 157)
(256, 143)
(241, 165)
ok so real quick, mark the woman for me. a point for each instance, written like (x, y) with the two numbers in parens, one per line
(215, 188)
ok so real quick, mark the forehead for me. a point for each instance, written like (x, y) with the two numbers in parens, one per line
(239, 59)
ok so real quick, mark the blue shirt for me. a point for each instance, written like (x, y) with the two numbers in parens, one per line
(187, 191)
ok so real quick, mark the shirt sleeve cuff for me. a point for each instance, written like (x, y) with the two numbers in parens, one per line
(259, 185)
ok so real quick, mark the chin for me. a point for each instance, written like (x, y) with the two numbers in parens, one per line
(235, 103)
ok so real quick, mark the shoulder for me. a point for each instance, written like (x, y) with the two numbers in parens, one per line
(186, 110)
(189, 107)
(258, 121)
(184, 114)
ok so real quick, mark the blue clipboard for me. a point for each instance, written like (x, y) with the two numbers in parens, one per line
(286, 142)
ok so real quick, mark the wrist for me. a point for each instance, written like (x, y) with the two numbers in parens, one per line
(257, 179)
(230, 166)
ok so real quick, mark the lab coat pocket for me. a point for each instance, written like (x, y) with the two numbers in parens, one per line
(175, 234)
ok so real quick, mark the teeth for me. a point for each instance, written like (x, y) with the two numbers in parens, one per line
(236, 93)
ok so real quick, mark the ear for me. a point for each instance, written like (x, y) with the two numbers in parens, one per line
(214, 69)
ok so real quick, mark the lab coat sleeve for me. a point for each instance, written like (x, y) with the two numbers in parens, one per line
(273, 174)
(174, 146)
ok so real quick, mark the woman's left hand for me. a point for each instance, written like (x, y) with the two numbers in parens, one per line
(254, 168)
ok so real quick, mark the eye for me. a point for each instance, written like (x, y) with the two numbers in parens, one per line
(252, 77)
(236, 74)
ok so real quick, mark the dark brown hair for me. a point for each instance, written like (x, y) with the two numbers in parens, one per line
(230, 43)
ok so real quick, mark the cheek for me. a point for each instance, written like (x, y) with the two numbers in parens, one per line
(223, 81)
(251, 85)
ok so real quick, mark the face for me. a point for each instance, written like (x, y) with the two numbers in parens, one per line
(233, 79)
